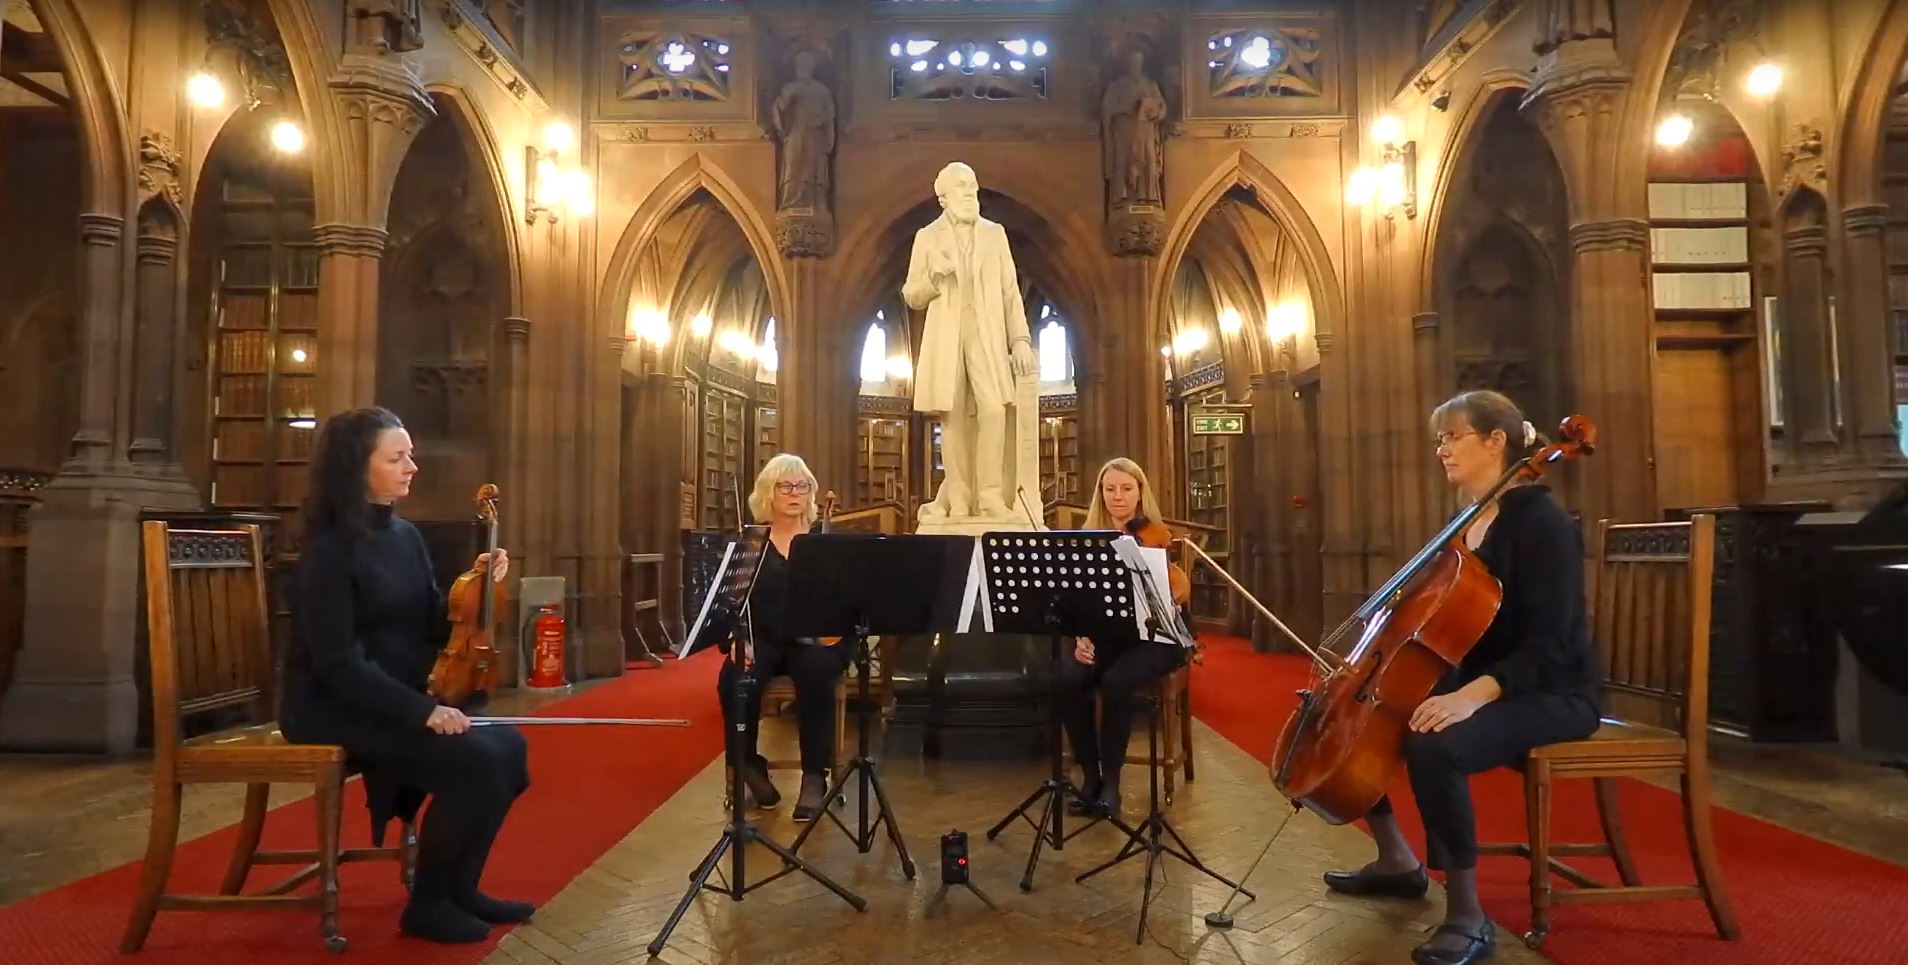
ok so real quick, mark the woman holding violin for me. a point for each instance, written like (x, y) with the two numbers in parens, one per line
(1123, 501)
(784, 498)
(368, 623)
(1529, 680)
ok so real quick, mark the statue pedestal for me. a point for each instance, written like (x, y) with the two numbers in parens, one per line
(1136, 229)
(975, 525)
(804, 232)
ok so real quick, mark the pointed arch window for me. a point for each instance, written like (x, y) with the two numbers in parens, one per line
(874, 354)
(770, 357)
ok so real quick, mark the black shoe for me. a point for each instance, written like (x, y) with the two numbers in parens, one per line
(497, 911)
(1478, 946)
(808, 806)
(760, 789)
(440, 920)
(1108, 803)
(1086, 802)
(1367, 882)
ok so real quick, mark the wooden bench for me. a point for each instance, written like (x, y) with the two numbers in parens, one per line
(1651, 626)
(210, 651)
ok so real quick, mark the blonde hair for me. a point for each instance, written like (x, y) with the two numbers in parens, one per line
(1097, 518)
(784, 466)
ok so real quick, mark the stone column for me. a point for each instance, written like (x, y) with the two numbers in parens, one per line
(1426, 363)
(600, 598)
(1579, 103)
(1868, 355)
(816, 387)
(100, 292)
(155, 327)
(514, 466)
(380, 107)
(1806, 329)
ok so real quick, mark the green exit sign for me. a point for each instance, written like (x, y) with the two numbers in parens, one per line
(1218, 424)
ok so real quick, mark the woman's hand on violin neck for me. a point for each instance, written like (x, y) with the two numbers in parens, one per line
(1083, 651)
(447, 721)
(498, 570)
(1443, 710)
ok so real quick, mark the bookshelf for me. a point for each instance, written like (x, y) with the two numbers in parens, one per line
(1208, 502)
(768, 436)
(723, 416)
(1895, 194)
(881, 460)
(264, 348)
(1060, 470)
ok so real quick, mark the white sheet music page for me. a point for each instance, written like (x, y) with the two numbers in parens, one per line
(715, 587)
(1151, 561)
(974, 599)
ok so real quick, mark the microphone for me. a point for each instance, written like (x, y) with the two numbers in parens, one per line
(1020, 496)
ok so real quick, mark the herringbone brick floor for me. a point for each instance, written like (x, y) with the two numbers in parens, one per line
(610, 913)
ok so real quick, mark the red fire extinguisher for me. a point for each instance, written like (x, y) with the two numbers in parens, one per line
(546, 660)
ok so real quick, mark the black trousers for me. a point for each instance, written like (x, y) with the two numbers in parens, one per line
(472, 778)
(1117, 672)
(1499, 734)
(814, 670)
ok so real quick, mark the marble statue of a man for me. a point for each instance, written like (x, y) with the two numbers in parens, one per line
(976, 362)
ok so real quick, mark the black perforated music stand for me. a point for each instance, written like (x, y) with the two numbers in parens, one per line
(853, 585)
(723, 621)
(1057, 584)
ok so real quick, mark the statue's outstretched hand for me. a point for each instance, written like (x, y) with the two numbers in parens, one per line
(1024, 361)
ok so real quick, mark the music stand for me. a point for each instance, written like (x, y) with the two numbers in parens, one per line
(722, 621)
(854, 585)
(1162, 625)
(1056, 584)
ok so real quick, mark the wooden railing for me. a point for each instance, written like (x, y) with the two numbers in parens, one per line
(19, 491)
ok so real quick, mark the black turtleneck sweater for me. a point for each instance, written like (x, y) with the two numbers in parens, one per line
(1539, 643)
(368, 621)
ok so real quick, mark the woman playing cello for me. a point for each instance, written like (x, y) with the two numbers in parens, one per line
(1122, 501)
(1528, 681)
(368, 622)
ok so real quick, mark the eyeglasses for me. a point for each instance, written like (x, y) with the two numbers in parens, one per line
(1443, 440)
(794, 488)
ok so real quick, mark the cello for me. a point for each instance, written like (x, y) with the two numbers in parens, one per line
(467, 664)
(1342, 746)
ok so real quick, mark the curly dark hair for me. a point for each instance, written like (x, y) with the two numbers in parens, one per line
(335, 497)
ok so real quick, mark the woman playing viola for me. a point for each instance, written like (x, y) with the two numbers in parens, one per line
(1122, 500)
(368, 621)
(1528, 681)
(784, 498)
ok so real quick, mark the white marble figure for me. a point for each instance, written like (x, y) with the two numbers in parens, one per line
(977, 361)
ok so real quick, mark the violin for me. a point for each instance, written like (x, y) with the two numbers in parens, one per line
(468, 663)
(1341, 748)
(1155, 534)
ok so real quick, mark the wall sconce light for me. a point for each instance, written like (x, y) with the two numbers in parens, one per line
(288, 137)
(551, 189)
(1764, 80)
(1284, 321)
(701, 325)
(648, 325)
(1674, 131)
(1230, 322)
(1394, 183)
(1190, 340)
(205, 89)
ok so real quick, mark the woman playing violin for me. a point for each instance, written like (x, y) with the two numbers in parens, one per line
(1529, 680)
(368, 621)
(784, 498)
(1122, 500)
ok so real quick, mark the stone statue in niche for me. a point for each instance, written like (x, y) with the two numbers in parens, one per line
(386, 26)
(507, 17)
(976, 362)
(804, 119)
(1566, 21)
(1132, 115)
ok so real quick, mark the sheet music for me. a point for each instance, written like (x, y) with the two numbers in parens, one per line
(974, 598)
(1152, 562)
(708, 600)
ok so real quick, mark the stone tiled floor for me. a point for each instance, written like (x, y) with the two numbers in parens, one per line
(611, 913)
(63, 819)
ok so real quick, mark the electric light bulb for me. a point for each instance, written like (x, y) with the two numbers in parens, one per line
(558, 136)
(1387, 130)
(1764, 80)
(701, 325)
(1674, 130)
(288, 137)
(1229, 321)
(205, 90)
(1361, 187)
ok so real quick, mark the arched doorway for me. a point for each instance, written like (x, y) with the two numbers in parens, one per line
(1242, 402)
(41, 165)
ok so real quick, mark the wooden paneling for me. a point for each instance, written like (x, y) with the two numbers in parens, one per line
(1695, 427)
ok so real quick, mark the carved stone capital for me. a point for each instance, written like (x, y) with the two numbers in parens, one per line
(1808, 241)
(1617, 234)
(516, 330)
(1138, 231)
(1324, 342)
(1579, 107)
(617, 344)
(1259, 381)
(1424, 322)
(1802, 163)
(1864, 220)
(101, 229)
(804, 233)
(156, 249)
(159, 169)
(383, 106)
(357, 240)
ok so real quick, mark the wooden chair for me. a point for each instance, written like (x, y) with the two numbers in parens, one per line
(1651, 625)
(1174, 707)
(210, 651)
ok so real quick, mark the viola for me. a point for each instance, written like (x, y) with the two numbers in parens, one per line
(1155, 534)
(467, 665)
(1340, 750)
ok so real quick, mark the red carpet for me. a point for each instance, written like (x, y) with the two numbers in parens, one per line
(589, 787)
(1798, 899)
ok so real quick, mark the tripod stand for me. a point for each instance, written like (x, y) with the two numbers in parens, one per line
(1058, 787)
(863, 766)
(717, 622)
